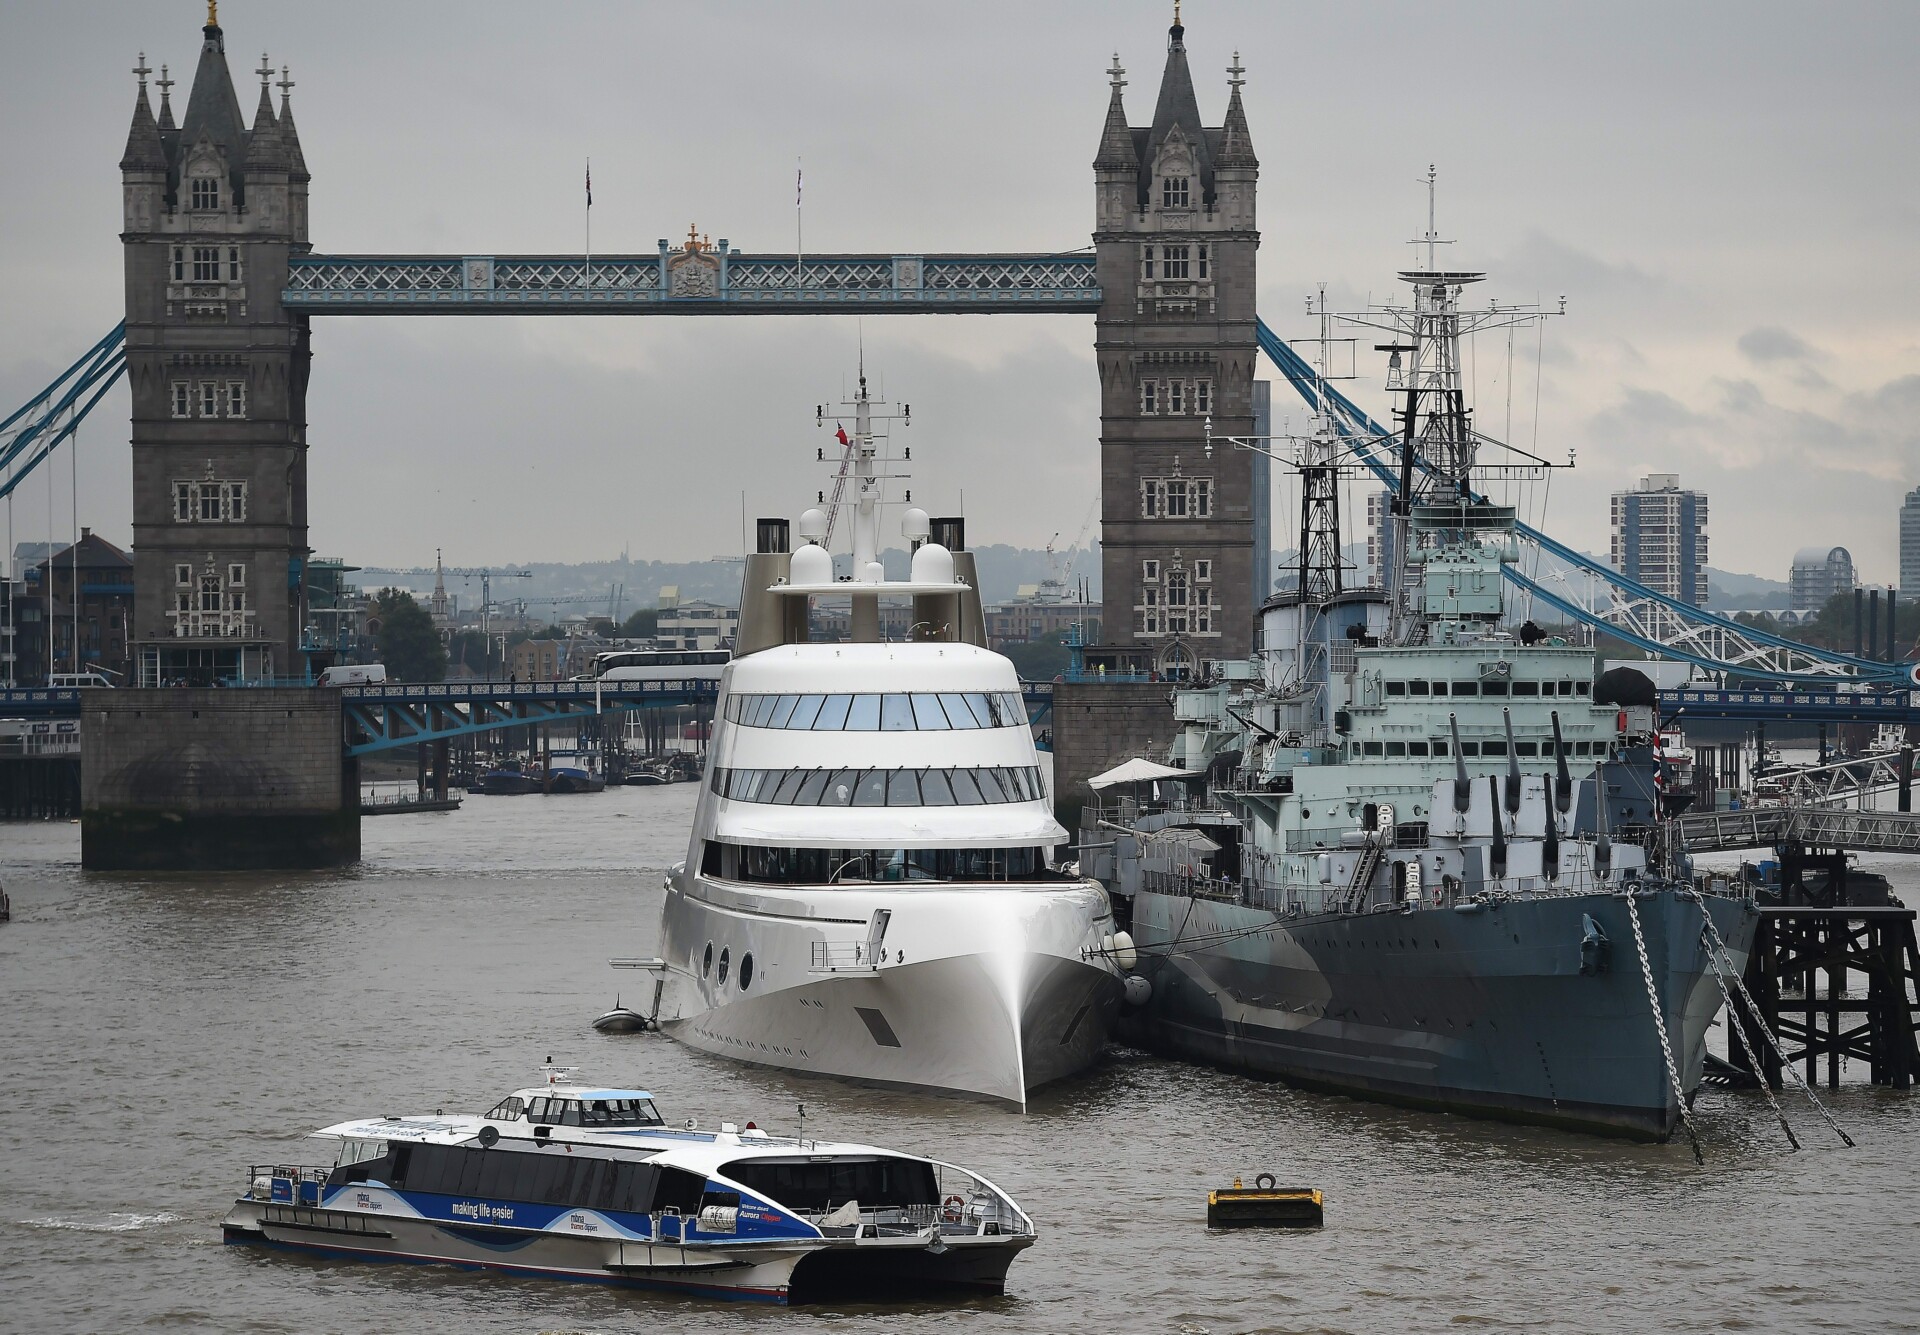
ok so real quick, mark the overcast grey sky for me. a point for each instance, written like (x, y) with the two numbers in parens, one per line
(1725, 192)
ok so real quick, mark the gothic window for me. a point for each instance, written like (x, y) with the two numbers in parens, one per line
(183, 602)
(237, 600)
(1173, 192)
(1203, 391)
(1202, 498)
(209, 505)
(236, 575)
(209, 399)
(179, 264)
(1200, 258)
(1176, 398)
(233, 264)
(1149, 397)
(1150, 571)
(1203, 612)
(1149, 501)
(1202, 571)
(1176, 588)
(236, 398)
(210, 593)
(183, 505)
(183, 575)
(206, 192)
(206, 264)
(236, 503)
(1146, 263)
(1176, 502)
(1177, 263)
(182, 399)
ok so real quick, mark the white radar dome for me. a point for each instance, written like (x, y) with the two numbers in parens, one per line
(932, 564)
(914, 526)
(813, 525)
(875, 573)
(811, 563)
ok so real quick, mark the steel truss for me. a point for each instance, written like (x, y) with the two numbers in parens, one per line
(1610, 602)
(704, 282)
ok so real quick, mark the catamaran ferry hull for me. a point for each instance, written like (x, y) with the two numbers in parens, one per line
(770, 1273)
(1493, 1011)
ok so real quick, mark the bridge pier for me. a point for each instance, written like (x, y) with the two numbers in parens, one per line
(216, 780)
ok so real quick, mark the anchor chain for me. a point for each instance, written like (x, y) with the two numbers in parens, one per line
(1720, 947)
(1660, 1027)
(1746, 1043)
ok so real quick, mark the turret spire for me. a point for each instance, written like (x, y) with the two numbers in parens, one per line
(1179, 107)
(1116, 140)
(1236, 141)
(144, 149)
(165, 85)
(296, 160)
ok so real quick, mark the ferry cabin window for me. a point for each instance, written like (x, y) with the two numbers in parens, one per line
(592, 1113)
(507, 1110)
(544, 1178)
(905, 712)
(815, 1187)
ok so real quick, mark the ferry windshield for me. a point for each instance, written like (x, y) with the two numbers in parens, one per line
(812, 1186)
(590, 1112)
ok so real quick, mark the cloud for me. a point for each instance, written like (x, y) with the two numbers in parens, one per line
(1771, 343)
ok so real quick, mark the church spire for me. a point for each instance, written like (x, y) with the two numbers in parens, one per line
(1116, 140)
(1236, 141)
(144, 149)
(266, 151)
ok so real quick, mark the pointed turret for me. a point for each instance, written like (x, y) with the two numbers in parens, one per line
(1178, 108)
(1116, 139)
(296, 160)
(144, 149)
(167, 125)
(1236, 141)
(266, 150)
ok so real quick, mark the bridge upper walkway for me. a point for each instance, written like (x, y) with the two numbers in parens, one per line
(1811, 827)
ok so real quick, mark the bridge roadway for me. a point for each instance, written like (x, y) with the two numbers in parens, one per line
(1805, 704)
(390, 715)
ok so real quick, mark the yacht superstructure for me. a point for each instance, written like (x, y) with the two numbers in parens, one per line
(868, 891)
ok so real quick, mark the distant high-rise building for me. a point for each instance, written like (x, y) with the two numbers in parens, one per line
(1660, 537)
(1910, 544)
(1819, 573)
(1383, 537)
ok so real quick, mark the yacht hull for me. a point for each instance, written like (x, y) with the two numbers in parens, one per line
(984, 993)
(1486, 1013)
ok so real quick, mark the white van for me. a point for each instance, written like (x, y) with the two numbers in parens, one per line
(79, 679)
(354, 674)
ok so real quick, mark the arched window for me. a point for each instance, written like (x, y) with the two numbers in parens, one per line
(205, 192)
(1174, 192)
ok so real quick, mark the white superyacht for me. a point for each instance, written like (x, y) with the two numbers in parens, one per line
(868, 890)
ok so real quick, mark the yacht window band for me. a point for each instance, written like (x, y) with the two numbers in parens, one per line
(916, 711)
(972, 787)
(838, 866)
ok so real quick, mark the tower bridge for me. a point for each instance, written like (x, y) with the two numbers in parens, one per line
(223, 287)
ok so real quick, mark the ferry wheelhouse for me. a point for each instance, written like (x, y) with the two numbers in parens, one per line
(591, 1184)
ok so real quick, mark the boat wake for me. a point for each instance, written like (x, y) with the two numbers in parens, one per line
(118, 1222)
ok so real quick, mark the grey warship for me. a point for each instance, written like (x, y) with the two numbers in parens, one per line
(1405, 852)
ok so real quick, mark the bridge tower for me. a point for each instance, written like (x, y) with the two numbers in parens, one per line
(218, 371)
(1175, 242)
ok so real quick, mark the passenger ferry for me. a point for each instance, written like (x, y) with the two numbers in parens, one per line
(869, 890)
(591, 1184)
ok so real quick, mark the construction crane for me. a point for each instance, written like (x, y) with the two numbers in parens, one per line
(1063, 574)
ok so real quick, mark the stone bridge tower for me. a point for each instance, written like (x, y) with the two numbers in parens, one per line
(1175, 238)
(218, 371)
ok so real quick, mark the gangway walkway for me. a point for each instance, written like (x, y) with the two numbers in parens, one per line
(1809, 827)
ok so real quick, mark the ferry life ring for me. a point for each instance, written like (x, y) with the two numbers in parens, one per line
(951, 1207)
(1265, 1182)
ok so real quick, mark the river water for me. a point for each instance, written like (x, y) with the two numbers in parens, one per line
(158, 1034)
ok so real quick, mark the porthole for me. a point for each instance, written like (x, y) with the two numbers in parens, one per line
(746, 971)
(722, 978)
(706, 963)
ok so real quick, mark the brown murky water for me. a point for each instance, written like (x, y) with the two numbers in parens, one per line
(159, 1034)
